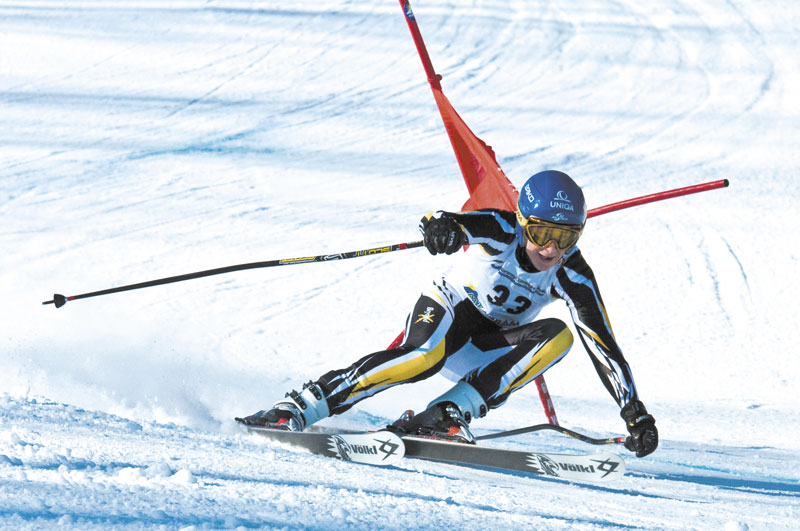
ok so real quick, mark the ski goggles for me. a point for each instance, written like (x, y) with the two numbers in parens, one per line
(541, 232)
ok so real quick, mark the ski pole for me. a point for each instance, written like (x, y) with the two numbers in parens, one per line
(560, 429)
(61, 300)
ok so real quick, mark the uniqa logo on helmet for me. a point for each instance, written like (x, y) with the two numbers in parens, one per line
(561, 200)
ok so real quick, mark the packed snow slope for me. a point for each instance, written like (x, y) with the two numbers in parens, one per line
(141, 139)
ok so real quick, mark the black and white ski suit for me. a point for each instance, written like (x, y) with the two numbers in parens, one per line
(479, 324)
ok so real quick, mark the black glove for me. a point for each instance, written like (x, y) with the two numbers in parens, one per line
(442, 234)
(642, 427)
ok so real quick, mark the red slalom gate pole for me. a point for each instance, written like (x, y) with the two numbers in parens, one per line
(427, 64)
(660, 196)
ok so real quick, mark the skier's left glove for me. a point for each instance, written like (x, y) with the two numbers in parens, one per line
(642, 427)
(442, 234)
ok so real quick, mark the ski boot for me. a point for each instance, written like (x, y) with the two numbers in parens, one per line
(295, 412)
(447, 417)
(440, 421)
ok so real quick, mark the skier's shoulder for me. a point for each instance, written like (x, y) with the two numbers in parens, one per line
(574, 269)
(575, 261)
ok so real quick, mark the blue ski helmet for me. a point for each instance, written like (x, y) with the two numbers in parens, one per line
(551, 196)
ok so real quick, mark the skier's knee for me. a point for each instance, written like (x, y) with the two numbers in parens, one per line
(545, 330)
(552, 327)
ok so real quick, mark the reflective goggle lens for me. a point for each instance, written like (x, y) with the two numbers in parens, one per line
(541, 233)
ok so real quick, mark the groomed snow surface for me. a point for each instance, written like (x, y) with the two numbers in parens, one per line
(144, 139)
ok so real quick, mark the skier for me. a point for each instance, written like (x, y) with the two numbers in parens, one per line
(478, 327)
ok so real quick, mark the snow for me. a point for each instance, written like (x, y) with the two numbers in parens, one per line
(143, 139)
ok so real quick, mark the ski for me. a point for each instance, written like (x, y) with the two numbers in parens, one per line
(592, 468)
(372, 448)
(385, 448)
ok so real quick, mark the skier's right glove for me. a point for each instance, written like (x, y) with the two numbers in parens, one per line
(442, 234)
(642, 427)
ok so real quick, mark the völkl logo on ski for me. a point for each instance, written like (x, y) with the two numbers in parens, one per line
(577, 467)
(382, 449)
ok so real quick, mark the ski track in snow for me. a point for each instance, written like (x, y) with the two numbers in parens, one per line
(146, 139)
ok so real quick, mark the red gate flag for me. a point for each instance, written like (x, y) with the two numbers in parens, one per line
(488, 186)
